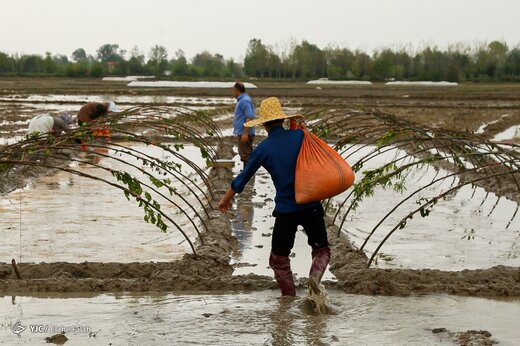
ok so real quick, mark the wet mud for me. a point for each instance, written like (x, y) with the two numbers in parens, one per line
(349, 266)
(467, 338)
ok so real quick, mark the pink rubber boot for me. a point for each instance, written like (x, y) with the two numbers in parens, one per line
(320, 260)
(281, 265)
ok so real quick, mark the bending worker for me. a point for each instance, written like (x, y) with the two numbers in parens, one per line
(278, 155)
(46, 123)
(94, 110)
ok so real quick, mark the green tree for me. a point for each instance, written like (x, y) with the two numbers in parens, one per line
(136, 61)
(158, 59)
(97, 70)
(206, 64)
(498, 54)
(308, 61)
(362, 65)
(79, 55)
(256, 60)
(234, 69)
(512, 68)
(7, 63)
(274, 65)
(78, 69)
(32, 64)
(340, 62)
(179, 64)
(109, 52)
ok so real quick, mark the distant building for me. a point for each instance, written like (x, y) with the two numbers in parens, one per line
(111, 66)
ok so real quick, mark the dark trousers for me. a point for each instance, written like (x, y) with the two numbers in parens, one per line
(245, 149)
(286, 225)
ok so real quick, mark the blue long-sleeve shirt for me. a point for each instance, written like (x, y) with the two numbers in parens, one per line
(243, 110)
(277, 154)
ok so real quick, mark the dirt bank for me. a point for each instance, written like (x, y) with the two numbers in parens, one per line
(349, 266)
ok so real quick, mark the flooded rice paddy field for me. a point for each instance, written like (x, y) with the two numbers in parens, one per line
(470, 229)
(72, 219)
(67, 218)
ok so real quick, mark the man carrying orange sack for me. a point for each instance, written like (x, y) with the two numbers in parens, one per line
(278, 155)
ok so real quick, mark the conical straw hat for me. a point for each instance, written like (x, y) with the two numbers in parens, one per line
(270, 109)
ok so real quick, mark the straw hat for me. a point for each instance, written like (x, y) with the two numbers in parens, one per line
(270, 109)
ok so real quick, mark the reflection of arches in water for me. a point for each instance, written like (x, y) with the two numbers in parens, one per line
(242, 223)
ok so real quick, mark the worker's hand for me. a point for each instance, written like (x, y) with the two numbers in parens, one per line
(227, 201)
(245, 137)
(225, 205)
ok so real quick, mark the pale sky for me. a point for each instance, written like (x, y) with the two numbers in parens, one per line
(222, 26)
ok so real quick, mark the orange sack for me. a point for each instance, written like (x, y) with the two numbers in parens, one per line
(321, 172)
(103, 132)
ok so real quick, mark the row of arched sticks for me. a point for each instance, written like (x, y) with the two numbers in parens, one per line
(468, 159)
(165, 128)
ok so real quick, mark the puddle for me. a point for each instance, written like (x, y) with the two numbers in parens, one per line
(63, 217)
(255, 319)
(471, 229)
(511, 133)
(482, 127)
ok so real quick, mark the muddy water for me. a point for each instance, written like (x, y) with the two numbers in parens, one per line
(256, 319)
(63, 217)
(471, 229)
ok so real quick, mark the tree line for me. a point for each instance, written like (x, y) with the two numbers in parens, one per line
(494, 61)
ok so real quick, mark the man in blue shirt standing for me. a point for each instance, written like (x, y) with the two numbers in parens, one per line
(278, 155)
(244, 112)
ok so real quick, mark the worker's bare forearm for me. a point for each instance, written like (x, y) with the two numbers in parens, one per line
(226, 201)
(229, 195)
